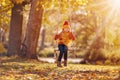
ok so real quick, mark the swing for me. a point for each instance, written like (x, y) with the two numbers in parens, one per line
(71, 49)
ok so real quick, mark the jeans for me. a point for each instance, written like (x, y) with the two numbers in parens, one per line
(63, 50)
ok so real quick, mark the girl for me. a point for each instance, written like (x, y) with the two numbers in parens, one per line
(64, 38)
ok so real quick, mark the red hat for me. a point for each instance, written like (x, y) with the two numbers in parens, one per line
(66, 23)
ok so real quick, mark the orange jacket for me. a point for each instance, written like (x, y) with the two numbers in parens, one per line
(64, 38)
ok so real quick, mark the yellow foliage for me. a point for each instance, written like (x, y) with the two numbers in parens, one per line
(2, 49)
(3, 3)
(18, 1)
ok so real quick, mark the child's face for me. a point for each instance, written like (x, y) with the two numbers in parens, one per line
(66, 29)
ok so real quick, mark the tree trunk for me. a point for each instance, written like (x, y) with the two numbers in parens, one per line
(42, 39)
(15, 30)
(2, 35)
(33, 30)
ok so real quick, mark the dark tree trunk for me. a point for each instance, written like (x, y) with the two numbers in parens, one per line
(15, 30)
(33, 30)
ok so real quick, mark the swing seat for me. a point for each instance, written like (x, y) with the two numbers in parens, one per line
(72, 49)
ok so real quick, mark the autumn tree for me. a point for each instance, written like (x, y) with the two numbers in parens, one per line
(15, 32)
(15, 29)
(33, 29)
(95, 51)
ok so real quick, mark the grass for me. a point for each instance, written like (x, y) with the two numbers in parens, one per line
(13, 68)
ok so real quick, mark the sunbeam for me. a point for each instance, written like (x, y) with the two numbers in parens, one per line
(114, 12)
(111, 7)
(115, 4)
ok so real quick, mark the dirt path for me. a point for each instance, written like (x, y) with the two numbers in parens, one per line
(52, 60)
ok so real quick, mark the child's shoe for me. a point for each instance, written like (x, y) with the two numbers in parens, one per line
(59, 64)
(65, 62)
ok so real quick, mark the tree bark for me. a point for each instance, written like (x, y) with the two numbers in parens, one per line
(2, 35)
(15, 30)
(33, 30)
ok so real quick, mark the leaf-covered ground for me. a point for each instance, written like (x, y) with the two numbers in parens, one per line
(21, 69)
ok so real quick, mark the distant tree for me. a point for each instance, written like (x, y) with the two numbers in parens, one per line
(43, 33)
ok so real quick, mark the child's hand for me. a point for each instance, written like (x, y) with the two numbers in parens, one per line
(56, 37)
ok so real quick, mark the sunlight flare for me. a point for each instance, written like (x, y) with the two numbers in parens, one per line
(115, 4)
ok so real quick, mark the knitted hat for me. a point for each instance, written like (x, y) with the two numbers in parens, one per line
(66, 25)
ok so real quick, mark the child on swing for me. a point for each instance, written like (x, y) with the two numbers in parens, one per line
(64, 38)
